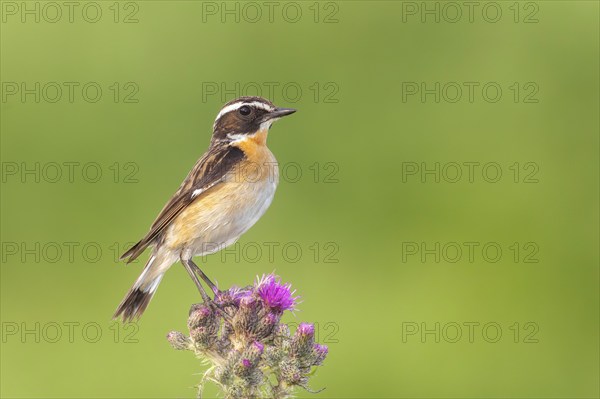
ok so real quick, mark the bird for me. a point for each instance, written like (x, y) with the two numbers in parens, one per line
(226, 192)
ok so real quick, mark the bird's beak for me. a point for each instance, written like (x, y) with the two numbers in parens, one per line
(280, 112)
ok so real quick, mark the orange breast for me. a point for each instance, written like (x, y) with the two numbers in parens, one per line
(224, 210)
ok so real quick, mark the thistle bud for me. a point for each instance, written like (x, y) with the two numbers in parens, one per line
(200, 336)
(236, 390)
(246, 319)
(266, 324)
(282, 331)
(178, 340)
(306, 330)
(247, 302)
(303, 340)
(203, 325)
(319, 354)
(243, 367)
(258, 347)
(223, 374)
(231, 297)
(200, 315)
(253, 352)
(290, 373)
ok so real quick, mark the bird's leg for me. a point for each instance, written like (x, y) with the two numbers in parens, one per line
(212, 286)
(189, 266)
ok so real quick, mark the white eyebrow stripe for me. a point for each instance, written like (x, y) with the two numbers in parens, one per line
(239, 104)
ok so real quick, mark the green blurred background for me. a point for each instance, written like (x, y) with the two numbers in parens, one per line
(359, 222)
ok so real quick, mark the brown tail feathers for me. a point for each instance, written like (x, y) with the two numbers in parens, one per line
(139, 296)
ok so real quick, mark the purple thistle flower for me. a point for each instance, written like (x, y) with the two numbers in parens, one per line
(306, 329)
(277, 296)
(230, 297)
(237, 294)
(240, 332)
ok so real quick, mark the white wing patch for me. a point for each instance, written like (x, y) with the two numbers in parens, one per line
(197, 192)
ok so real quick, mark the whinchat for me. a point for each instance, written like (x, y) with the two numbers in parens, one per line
(215, 204)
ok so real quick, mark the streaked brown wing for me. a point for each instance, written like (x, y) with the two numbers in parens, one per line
(206, 174)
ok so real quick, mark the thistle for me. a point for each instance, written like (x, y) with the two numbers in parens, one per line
(250, 352)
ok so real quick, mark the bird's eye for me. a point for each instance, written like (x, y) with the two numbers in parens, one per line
(245, 110)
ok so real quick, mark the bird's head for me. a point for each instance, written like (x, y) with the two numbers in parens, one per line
(246, 116)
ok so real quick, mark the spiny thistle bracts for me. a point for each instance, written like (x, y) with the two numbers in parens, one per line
(250, 352)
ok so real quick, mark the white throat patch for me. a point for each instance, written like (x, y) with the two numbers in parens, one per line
(236, 137)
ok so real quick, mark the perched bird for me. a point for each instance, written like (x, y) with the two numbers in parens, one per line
(226, 192)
